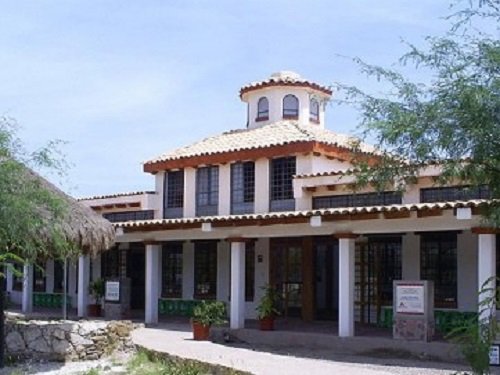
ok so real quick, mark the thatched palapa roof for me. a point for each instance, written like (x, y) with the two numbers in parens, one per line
(82, 226)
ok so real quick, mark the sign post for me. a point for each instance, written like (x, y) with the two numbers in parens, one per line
(413, 307)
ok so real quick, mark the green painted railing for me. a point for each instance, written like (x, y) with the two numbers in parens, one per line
(176, 307)
(445, 320)
(50, 299)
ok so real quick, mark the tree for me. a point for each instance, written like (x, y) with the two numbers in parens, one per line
(29, 212)
(452, 121)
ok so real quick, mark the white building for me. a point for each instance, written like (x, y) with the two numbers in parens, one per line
(271, 203)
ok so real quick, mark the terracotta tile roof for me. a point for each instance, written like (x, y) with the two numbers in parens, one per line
(116, 195)
(327, 173)
(306, 214)
(276, 134)
(284, 78)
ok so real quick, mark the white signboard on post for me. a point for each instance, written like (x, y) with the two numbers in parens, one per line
(410, 299)
(112, 291)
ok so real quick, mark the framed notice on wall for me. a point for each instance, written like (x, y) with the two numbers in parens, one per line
(495, 355)
(112, 291)
(410, 299)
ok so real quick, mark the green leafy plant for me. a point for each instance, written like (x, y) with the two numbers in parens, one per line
(96, 289)
(268, 303)
(475, 335)
(210, 313)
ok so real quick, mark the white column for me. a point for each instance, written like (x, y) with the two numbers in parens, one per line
(225, 189)
(237, 317)
(83, 284)
(9, 278)
(189, 192)
(486, 270)
(152, 283)
(261, 186)
(27, 304)
(346, 287)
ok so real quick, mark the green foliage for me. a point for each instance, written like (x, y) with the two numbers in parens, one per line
(475, 335)
(210, 313)
(92, 371)
(96, 289)
(452, 119)
(142, 364)
(268, 303)
(31, 215)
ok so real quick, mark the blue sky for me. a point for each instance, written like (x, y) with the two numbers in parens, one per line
(123, 81)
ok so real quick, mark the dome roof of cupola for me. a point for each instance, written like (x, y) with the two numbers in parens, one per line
(284, 78)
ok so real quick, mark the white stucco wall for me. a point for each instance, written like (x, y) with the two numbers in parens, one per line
(261, 185)
(189, 192)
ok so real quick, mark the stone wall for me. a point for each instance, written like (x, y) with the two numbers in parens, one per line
(59, 340)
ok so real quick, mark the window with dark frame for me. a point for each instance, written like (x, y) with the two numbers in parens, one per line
(116, 217)
(110, 263)
(454, 193)
(58, 276)
(438, 262)
(205, 270)
(290, 107)
(249, 271)
(171, 270)
(17, 277)
(314, 110)
(207, 191)
(173, 194)
(281, 194)
(358, 200)
(39, 278)
(262, 109)
(242, 187)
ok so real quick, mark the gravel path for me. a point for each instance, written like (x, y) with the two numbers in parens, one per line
(179, 343)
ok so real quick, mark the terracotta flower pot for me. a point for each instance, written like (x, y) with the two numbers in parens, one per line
(94, 310)
(200, 331)
(267, 323)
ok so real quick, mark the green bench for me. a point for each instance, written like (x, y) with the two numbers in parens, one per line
(446, 320)
(176, 307)
(54, 300)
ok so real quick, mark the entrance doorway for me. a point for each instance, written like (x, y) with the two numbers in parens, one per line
(286, 274)
(136, 272)
(378, 263)
(326, 279)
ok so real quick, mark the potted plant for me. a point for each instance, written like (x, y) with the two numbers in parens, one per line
(267, 308)
(206, 314)
(96, 289)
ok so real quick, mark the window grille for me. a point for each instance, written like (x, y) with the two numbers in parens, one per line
(205, 270)
(454, 193)
(110, 263)
(358, 200)
(173, 194)
(282, 172)
(38, 278)
(290, 107)
(242, 187)
(17, 277)
(438, 262)
(172, 270)
(116, 217)
(314, 110)
(263, 109)
(207, 191)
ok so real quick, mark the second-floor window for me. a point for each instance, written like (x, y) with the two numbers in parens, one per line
(281, 188)
(262, 109)
(454, 193)
(314, 111)
(290, 107)
(207, 191)
(116, 217)
(242, 187)
(173, 194)
(357, 200)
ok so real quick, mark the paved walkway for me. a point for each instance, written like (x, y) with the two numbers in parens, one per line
(177, 341)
